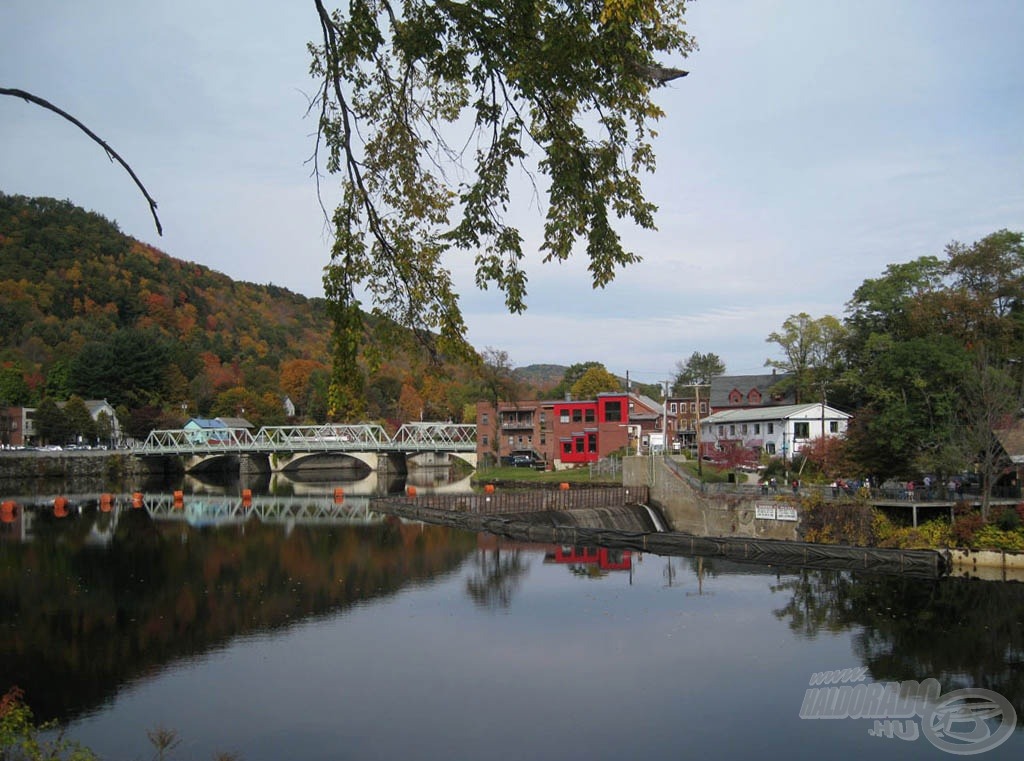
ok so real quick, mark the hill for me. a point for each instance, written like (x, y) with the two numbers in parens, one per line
(88, 311)
(542, 377)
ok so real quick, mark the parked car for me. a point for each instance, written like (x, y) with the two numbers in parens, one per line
(524, 458)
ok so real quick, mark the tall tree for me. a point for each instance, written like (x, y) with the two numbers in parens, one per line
(80, 425)
(986, 300)
(593, 382)
(812, 352)
(572, 375)
(399, 85)
(699, 369)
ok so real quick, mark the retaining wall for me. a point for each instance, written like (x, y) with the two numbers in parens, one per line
(689, 508)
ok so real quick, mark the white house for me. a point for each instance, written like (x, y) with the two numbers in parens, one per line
(777, 431)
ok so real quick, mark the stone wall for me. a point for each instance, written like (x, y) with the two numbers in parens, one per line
(705, 512)
(92, 464)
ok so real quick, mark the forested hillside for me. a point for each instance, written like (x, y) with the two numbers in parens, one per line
(87, 311)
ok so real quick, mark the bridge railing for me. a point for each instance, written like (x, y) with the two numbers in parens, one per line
(200, 441)
(458, 436)
(328, 437)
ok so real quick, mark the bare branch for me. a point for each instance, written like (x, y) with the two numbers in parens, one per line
(111, 153)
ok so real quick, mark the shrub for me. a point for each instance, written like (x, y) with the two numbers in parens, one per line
(1007, 519)
(966, 525)
(20, 735)
(994, 538)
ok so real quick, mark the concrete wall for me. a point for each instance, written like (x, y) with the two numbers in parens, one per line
(706, 513)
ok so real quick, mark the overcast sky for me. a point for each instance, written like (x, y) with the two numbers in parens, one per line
(813, 144)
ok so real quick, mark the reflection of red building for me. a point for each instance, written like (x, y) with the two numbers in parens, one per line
(604, 558)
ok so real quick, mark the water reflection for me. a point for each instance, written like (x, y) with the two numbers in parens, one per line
(966, 633)
(79, 620)
(202, 615)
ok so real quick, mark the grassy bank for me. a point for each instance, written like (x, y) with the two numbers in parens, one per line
(529, 477)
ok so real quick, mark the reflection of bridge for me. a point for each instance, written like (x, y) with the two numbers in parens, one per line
(288, 511)
(106, 511)
(285, 447)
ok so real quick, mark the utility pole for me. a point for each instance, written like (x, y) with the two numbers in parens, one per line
(664, 423)
(700, 468)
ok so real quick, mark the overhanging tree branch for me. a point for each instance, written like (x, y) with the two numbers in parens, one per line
(111, 153)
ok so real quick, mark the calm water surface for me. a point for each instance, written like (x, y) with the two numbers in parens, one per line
(370, 638)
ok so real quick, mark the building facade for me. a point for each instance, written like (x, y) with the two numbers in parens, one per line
(778, 431)
(566, 433)
(17, 427)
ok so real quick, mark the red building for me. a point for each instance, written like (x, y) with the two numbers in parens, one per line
(566, 433)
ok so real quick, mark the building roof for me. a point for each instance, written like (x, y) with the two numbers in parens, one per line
(235, 422)
(777, 412)
(723, 385)
(1012, 441)
(203, 422)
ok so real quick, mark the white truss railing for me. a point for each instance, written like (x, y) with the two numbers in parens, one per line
(329, 437)
(444, 436)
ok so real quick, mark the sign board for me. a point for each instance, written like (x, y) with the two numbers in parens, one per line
(785, 513)
(775, 512)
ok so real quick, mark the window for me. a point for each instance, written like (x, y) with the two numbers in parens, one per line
(579, 445)
(721, 431)
(743, 429)
(592, 443)
(833, 426)
(770, 447)
(589, 415)
(732, 429)
(577, 416)
(703, 407)
(771, 428)
(757, 429)
(801, 430)
(672, 408)
(563, 416)
(566, 447)
(485, 419)
(613, 412)
(484, 441)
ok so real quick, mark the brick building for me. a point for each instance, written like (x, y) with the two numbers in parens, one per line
(566, 433)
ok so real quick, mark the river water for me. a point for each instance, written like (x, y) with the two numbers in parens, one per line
(319, 630)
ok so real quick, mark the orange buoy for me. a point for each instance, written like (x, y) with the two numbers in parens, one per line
(564, 486)
(489, 489)
(106, 502)
(339, 495)
(137, 499)
(410, 491)
(179, 500)
(8, 511)
(60, 507)
(246, 497)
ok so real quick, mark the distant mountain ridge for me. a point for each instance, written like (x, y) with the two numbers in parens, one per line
(541, 376)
